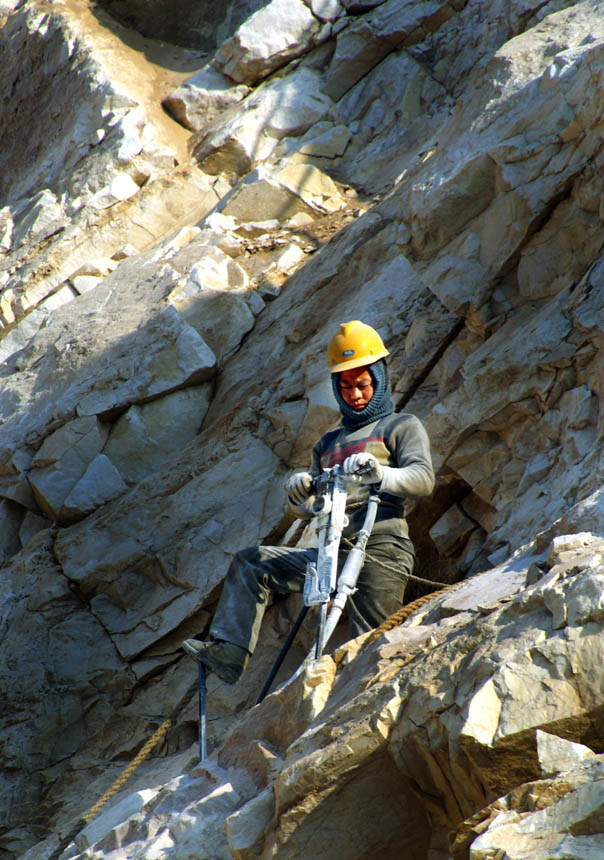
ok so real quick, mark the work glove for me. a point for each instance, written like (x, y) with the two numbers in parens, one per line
(298, 487)
(363, 469)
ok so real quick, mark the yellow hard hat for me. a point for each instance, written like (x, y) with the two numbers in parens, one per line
(355, 345)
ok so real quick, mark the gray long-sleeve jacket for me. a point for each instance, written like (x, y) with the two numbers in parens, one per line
(401, 445)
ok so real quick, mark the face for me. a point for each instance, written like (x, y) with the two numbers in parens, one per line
(356, 387)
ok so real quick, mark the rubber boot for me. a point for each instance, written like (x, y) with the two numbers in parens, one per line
(226, 660)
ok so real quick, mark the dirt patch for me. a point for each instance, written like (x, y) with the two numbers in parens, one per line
(146, 70)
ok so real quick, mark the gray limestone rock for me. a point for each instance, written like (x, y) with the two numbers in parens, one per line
(30, 526)
(63, 460)
(202, 97)
(100, 483)
(199, 25)
(275, 34)
(37, 219)
(326, 10)
(222, 317)
(145, 436)
(280, 108)
(160, 354)
(451, 197)
(283, 193)
(11, 516)
(557, 755)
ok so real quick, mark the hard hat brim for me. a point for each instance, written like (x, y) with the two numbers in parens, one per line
(360, 361)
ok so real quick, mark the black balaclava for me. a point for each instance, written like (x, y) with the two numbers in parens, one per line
(380, 404)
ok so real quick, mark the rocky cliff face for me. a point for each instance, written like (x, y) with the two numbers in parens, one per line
(188, 208)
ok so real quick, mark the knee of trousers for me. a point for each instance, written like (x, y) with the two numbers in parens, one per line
(249, 555)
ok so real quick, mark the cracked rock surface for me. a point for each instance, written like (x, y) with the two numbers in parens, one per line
(191, 201)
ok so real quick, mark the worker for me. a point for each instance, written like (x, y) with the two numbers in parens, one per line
(393, 453)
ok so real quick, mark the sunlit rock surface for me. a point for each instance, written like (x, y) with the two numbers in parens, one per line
(191, 201)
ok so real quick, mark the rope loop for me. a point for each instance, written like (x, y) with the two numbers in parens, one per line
(119, 782)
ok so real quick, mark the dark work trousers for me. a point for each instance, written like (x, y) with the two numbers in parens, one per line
(254, 572)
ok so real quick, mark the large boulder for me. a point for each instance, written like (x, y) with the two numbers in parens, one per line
(275, 34)
(202, 97)
(284, 107)
(145, 435)
(287, 191)
(63, 460)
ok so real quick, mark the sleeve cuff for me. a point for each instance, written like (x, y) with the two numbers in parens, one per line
(388, 480)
